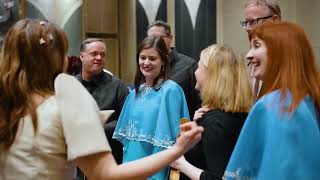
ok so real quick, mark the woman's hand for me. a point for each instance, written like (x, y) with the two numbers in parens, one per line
(179, 163)
(186, 168)
(200, 112)
(189, 136)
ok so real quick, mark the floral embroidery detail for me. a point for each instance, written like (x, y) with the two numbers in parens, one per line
(130, 132)
(144, 90)
(235, 175)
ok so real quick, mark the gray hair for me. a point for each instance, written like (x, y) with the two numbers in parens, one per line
(84, 44)
(272, 5)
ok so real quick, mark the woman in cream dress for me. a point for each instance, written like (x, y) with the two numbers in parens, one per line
(49, 123)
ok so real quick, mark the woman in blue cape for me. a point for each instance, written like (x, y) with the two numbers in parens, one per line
(150, 118)
(280, 138)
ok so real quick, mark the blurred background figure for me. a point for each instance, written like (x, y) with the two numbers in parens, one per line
(74, 65)
(8, 16)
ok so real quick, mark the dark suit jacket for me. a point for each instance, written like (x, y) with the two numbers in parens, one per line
(182, 70)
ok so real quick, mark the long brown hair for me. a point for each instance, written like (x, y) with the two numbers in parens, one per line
(159, 45)
(291, 64)
(33, 55)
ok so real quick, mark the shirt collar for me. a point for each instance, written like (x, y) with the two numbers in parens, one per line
(155, 87)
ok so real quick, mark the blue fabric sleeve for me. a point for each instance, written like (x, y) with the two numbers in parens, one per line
(173, 107)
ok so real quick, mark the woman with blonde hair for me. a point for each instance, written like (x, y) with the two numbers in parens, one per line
(48, 121)
(225, 88)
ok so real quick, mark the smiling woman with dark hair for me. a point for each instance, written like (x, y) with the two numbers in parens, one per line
(150, 118)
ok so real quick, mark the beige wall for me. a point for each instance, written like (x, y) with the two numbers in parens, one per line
(303, 12)
(308, 14)
(127, 39)
(114, 21)
(100, 20)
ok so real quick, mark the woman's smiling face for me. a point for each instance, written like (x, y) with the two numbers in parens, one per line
(257, 56)
(150, 64)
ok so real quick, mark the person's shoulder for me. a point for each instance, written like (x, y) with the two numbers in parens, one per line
(64, 78)
(226, 120)
(113, 79)
(212, 115)
(106, 76)
(270, 97)
(184, 58)
(270, 101)
(171, 85)
(222, 115)
(78, 77)
(212, 118)
(65, 83)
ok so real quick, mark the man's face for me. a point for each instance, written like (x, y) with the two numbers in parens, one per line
(256, 14)
(160, 31)
(93, 58)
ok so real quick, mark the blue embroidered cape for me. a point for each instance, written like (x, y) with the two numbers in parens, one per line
(150, 122)
(277, 145)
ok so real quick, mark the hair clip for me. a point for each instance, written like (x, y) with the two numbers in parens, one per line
(50, 36)
(42, 41)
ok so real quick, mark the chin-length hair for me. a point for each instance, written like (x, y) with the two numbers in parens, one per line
(228, 87)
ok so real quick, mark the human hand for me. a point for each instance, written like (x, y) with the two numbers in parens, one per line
(189, 136)
(200, 112)
(178, 163)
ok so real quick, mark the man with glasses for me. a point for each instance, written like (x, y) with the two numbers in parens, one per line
(255, 12)
(182, 67)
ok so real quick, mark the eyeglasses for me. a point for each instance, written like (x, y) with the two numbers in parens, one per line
(252, 22)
